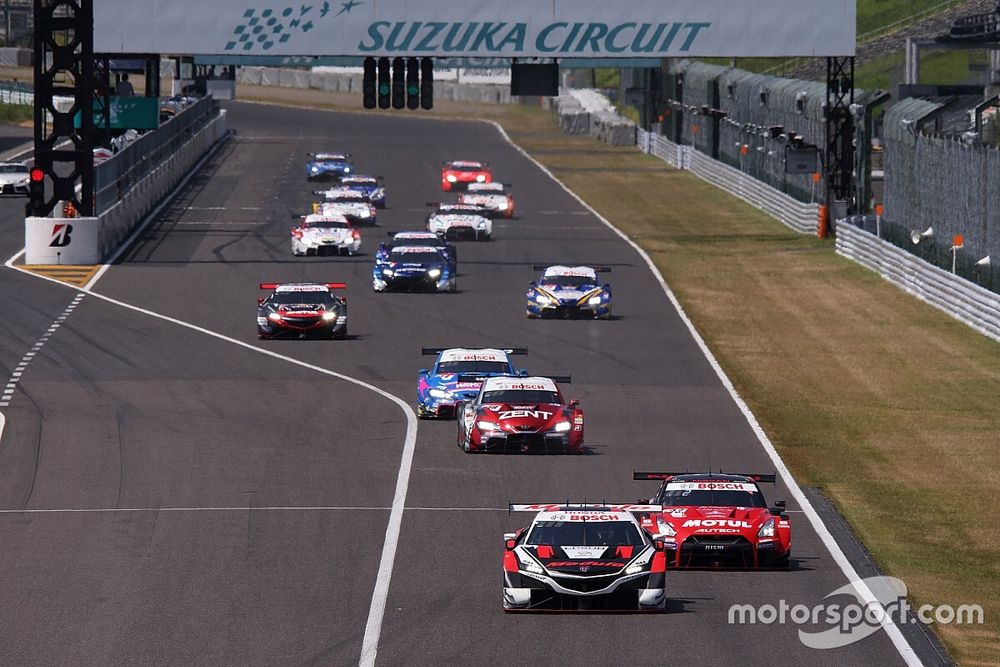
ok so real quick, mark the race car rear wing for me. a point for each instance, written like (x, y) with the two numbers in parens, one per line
(438, 350)
(597, 269)
(327, 285)
(564, 379)
(661, 475)
(567, 506)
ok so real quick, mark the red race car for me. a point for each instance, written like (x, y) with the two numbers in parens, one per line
(301, 310)
(458, 174)
(515, 414)
(717, 519)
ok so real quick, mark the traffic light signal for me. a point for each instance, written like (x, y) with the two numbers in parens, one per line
(412, 83)
(36, 193)
(368, 86)
(383, 83)
(426, 83)
(398, 84)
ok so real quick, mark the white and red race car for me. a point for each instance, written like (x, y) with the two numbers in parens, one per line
(491, 196)
(584, 557)
(319, 234)
(352, 204)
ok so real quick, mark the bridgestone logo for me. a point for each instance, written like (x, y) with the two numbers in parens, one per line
(61, 235)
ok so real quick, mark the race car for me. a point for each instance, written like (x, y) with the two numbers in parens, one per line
(583, 557)
(301, 310)
(520, 414)
(456, 376)
(14, 178)
(458, 174)
(457, 226)
(491, 196)
(567, 291)
(428, 239)
(350, 203)
(370, 186)
(415, 268)
(328, 166)
(717, 519)
(320, 234)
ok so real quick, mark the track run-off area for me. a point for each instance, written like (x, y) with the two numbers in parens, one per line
(173, 490)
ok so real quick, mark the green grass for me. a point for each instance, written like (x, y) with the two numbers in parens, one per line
(876, 14)
(16, 113)
(942, 67)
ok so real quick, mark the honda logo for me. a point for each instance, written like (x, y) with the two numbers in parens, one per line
(61, 235)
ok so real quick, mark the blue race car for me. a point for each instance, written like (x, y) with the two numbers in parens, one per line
(568, 291)
(328, 166)
(370, 186)
(415, 268)
(457, 375)
(429, 239)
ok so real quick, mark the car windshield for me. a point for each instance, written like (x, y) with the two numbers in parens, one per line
(327, 224)
(13, 169)
(429, 242)
(709, 498)
(429, 257)
(473, 367)
(346, 197)
(568, 281)
(523, 396)
(465, 168)
(585, 533)
(294, 298)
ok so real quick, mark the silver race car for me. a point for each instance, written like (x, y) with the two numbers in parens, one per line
(320, 234)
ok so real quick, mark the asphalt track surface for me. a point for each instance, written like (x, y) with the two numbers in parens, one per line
(122, 411)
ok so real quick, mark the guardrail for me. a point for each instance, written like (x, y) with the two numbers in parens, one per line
(115, 177)
(971, 304)
(791, 212)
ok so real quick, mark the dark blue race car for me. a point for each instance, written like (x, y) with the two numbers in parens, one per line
(428, 239)
(569, 291)
(370, 186)
(328, 166)
(415, 269)
(457, 375)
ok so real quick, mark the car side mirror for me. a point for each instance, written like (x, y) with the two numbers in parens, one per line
(642, 501)
(522, 372)
(260, 301)
(574, 403)
(532, 284)
(422, 371)
(779, 507)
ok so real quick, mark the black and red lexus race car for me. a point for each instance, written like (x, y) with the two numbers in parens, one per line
(301, 310)
(520, 414)
(584, 557)
(717, 519)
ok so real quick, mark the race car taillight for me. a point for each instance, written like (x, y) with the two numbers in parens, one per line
(659, 563)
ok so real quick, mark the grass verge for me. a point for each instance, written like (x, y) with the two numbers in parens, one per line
(16, 113)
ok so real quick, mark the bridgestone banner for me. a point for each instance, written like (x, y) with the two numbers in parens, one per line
(464, 28)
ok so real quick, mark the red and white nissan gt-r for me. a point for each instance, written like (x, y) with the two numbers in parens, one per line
(491, 196)
(520, 414)
(458, 174)
(716, 519)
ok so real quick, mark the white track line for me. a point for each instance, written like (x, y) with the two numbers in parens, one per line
(905, 650)
(247, 508)
(15, 377)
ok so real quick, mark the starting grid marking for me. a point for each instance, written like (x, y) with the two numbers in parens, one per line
(266, 508)
(15, 377)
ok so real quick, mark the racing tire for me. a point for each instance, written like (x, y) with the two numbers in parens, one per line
(533, 316)
(454, 287)
(340, 335)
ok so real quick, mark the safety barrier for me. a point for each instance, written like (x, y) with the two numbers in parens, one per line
(967, 302)
(797, 215)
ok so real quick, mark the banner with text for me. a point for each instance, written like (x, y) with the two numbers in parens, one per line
(511, 28)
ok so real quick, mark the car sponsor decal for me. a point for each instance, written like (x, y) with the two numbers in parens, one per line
(711, 486)
(524, 414)
(473, 355)
(582, 271)
(301, 288)
(531, 384)
(584, 563)
(716, 523)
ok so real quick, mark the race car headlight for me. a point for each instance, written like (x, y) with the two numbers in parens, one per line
(261, 321)
(314, 169)
(594, 300)
(347, 170)
(440, 393)
(767, 530)
(634, 569)
(451, 178)
(529, 565)
(387, 272)
(562, 427)
(330, 315)
(487, 426)
(434, 273)
(480, 178)
(274, 317)
(542, 299)
(364, 214)
(664, 528)
(502, 206)
(481, 224)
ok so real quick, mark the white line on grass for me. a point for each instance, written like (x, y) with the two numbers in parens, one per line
(905, 650)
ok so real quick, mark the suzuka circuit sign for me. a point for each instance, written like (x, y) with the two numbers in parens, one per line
(470, 28)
